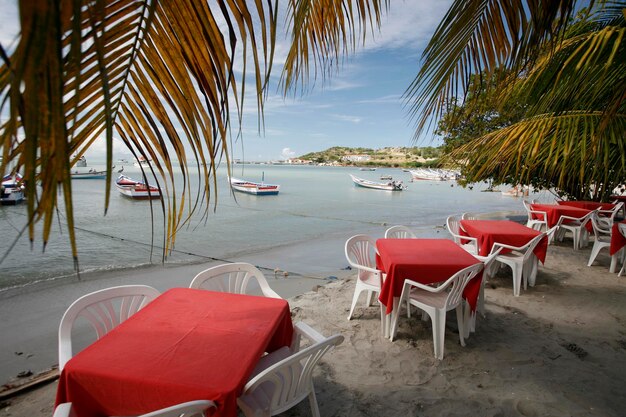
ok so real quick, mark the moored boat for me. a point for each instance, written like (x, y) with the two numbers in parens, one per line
(80, 171)
(136, 189)
(432, 174)
(142, 162)
(256, 188)
(387, 186)
(11, 189)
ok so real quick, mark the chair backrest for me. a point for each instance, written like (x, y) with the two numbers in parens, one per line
(399, 232)
(458, 282)
(361, 251)
(233, 278)
(469, 216)
(622, 228)
(530, 246)
(189, 409)
(600, 227)
(454, 226)
(291, 380)
(103, 310)
(610, 214)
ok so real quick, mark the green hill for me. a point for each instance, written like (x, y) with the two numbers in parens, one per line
(392, 157)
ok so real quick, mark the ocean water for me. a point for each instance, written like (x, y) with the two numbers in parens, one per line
(314, 203)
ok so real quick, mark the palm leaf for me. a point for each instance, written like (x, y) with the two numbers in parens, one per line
(479, 36)
(568, 151)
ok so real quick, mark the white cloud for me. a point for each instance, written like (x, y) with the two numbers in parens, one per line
(287, 153)
(348, 118)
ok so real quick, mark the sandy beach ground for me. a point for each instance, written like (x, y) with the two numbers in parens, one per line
(557, 350)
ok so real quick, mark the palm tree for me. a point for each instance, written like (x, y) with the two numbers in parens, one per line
(167, 77)
(569, 70)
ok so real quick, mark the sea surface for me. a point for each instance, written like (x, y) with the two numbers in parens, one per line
(314, 203)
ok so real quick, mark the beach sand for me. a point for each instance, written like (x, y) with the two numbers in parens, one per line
(557, 350)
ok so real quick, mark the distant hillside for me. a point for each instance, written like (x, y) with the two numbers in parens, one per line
(393, 157)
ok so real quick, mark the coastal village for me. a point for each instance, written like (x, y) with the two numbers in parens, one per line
(393, 157)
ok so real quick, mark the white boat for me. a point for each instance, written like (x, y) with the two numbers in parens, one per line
(256, 188)
(12, 189)
(517, 191)
(367, 169)
(142, 162)
(136, 189)
(386, 177)
(433, 174)
(81, 172)
(387, 186)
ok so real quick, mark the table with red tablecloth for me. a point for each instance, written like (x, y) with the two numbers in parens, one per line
(488, 232)
(426, 261)
(555, 211)
(186, 345)
(588, 205)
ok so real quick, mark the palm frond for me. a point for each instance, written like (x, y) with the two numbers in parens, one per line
(479, 36)
(323, 31)
(567, 151)
(158, 74)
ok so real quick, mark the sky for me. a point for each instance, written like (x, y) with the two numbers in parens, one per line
(359, 106)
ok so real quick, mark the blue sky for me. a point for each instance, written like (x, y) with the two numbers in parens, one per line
(359, 106)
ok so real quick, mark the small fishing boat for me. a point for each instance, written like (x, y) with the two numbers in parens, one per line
(387, 186)
(256, 188)
(80, 171)
(12, 189)
(136, 189)
(367, 169)
(142, 162)
(386, 177)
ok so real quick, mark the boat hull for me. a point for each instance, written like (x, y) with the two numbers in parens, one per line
(136, 189)
(254, 188)
(11, 190)
(391, 186)
(94, 175)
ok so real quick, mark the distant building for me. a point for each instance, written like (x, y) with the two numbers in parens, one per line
(356, 158)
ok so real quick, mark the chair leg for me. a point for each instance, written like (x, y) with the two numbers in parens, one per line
(460, 320)
(439, 331)
(517, 278)
(355, 298)
(315, 411)
(369, 298)
(594, 253)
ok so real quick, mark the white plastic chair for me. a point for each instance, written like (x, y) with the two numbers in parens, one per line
(609, 215)
(399, 232)
(233, 278)
(104, 310)
(541, 219)
(284, 378)
(522, 261)
(454, 227)
(575, 225)
(436, 301)
(602, 234)
(189, 409)
(360, 252)
(469, 216)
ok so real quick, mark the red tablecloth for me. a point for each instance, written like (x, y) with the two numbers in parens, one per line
(555, 211)
(618, 240)
(589, 205)
(488, 232)
(186, 345)
(423, 260)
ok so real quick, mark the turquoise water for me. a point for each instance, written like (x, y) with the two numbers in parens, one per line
(314, 203)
